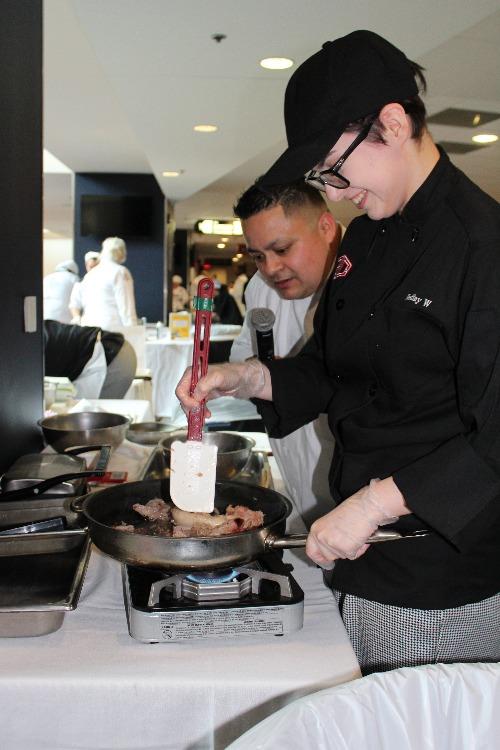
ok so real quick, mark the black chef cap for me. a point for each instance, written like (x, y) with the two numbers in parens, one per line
(346, 80)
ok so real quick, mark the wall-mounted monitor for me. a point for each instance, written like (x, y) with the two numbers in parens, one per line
(116, 215)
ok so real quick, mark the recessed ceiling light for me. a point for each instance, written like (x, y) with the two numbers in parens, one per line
(205, 128)
(216, 226)
(224, 239)
(172, 173)
(276, 63)
(221, 245)
(485, 138)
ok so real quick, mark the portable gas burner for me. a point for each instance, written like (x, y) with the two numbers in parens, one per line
(261, 598)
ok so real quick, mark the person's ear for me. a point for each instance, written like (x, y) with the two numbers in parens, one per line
(396, 123)
(327, 226)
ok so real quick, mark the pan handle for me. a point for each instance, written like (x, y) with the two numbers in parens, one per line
(37, 489)
(285, 542)
(390, 535)
(299, 540)
(102, 459)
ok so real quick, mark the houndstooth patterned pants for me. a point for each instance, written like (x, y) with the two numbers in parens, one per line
(386, 637)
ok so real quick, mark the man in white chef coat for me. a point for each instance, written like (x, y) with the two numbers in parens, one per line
(293, 239)
(91, 258)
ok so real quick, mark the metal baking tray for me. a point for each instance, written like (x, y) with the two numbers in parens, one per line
(41, 576)
(17, 512)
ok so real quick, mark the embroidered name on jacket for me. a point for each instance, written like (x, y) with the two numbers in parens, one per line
(343, 267)
(423, 301)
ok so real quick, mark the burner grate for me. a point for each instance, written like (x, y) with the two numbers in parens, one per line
(230, 585)
(203, 587)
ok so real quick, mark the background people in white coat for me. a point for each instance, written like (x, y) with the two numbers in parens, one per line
(57, 287)
(92, 258)
(293, 239)
(107, 291)
(238, 288)
(180, 296)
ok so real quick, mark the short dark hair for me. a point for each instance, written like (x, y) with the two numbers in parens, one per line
(413, 106)
(293, 195)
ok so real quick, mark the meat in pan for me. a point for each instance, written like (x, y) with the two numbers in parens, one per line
(165, 519)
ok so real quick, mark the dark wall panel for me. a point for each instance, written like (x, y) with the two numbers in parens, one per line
(21, 357)
(145, 256)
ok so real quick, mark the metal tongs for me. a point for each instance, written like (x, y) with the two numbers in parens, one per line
(193, 463)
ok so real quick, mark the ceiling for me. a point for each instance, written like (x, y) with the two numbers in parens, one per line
(125, 81)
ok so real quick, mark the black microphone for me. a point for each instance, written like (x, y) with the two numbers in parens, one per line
(262, 321)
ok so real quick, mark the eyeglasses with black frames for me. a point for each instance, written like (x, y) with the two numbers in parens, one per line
(321, 178)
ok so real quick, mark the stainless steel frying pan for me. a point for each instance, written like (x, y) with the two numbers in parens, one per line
(105, 508)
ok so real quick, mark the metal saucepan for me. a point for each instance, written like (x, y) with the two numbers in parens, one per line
(233, 450)
(105, 508)
(84, 428)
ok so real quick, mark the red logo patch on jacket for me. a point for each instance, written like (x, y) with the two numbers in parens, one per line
(343, 267)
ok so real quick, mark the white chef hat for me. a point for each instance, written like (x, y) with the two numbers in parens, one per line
(177, 278)
(92, 255)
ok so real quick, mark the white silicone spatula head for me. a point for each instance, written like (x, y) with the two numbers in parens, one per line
(192, 475)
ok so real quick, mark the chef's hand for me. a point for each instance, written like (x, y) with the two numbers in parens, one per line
(239, 379)
(343, 533)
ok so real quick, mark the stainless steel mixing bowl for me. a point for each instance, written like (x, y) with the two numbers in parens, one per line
(84, 428)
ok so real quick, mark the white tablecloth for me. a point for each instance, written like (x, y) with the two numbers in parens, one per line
(167, 359)
(90, 685)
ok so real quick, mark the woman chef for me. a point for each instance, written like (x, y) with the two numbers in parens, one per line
(405, 361)
(107, 290)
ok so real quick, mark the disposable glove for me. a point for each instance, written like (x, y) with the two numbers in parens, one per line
(344, 531)
(240, 379)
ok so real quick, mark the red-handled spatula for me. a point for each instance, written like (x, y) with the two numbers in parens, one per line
(193, 464)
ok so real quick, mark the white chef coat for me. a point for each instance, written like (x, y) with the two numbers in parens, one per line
(180, 298)
(57, 288)
(75, 301)
(107, 296)
(236, 291)
(305, 455)
(91, 379)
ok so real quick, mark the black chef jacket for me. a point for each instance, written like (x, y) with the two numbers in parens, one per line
(68, 348)
(405, 360)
